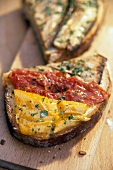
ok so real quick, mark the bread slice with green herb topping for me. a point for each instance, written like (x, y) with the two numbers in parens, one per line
(44, 121)
(64, 29)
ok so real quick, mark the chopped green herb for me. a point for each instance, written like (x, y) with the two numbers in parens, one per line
(37, 120)
(52, 128)
(59, 2)
(33, 114)
(76, 91)
(90, 3)
(68, 66)
(20, 109)
(87, 68)
(43, 99)
(62, 70)
(88, 22)
(41, 26)
(48, 11)
(18, 118)
(60, 41)
(50, 134)
(81, 61)
(65, 122)
(38, 18)
(41, 69)
(55, 110)
(48, 126)
(62, 98)
(37, 106)
(56, 84)
(57, 12)
(58, 101)
(77, 71)
(32, 129)
(71, 32)
(43, 113)
(62, 112)
(70, 117)
(23, 88)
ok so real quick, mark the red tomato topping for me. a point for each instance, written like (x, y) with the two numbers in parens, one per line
(58, 86)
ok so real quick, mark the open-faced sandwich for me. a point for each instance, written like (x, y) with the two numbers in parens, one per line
(49, 105)
(64, 28)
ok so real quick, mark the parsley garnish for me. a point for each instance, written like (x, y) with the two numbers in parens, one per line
(33, 114)
(43, 99)
(32, 129)
(58, 101)
(20, 109)
(62, 98)
(65, 122)
(62, 70)
(50, 134)
(62, 112)
(37, 106)
(23, 88)
(71, 32)
(70, 117)
(56, 84)
(43, 113)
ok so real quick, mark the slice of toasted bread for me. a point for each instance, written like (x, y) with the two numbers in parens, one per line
(68, 35)
(94, 68)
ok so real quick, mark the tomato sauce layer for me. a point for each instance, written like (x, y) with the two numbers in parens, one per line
(57, 85)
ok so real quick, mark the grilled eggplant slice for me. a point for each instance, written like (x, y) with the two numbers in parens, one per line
(24, 108)
(64, 28)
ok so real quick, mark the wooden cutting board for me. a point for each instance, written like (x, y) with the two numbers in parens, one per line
(63, 156)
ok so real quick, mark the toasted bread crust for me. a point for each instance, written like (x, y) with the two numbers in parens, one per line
(59, 138)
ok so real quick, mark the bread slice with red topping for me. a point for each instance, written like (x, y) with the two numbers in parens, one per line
(49, 105)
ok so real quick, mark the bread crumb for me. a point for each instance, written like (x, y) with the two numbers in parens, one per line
(2, 142)
(82, 153)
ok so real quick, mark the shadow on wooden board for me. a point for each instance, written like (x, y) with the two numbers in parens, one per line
(12, 32)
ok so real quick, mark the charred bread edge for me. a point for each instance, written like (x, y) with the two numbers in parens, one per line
(84, 45)
(60, 138)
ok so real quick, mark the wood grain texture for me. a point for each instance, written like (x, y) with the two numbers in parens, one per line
(63, 156)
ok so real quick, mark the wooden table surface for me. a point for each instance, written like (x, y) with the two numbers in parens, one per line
(18, 48)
